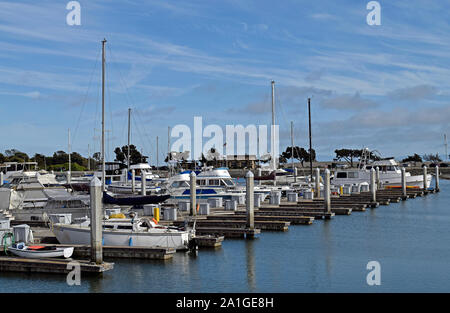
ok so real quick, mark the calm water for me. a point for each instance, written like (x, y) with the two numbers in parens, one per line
(411, 241)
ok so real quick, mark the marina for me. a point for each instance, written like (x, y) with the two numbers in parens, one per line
(230, 150)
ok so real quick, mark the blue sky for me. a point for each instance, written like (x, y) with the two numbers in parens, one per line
(385, 87)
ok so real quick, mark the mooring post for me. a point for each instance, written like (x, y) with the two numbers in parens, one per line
(96, 195)
(318, 182)
(327, 191)
(68, 177)
(404, 183)
(377, 177)
(1, 178)
(373, 186)
(193, 195)
(143, 184)
(425, 182)
(133, 181)
(249, 200)
(295, 174)
(259, 175)
(437, 178)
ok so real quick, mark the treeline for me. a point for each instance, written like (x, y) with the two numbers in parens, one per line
(58, 162)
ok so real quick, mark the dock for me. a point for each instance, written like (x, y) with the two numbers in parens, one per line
(55, 266)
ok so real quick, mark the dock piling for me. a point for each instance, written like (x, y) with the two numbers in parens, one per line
(143, 184)
(425, 182)
(377, 177)
(133, 181)
(404, 194)
(317, 195)
(437, 179)
(96, 195)
(249, 197)
(326, 191)
(1, 178)
(259, 172)
(193, 194)
(373, 186)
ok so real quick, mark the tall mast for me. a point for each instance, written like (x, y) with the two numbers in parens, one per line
(168, 151)
(446, 146)
(89, 158)
(292, 146)
(70, 163)
(103, 115)
(310, 142)
(157, 152)
(272, 136)
(128, 148)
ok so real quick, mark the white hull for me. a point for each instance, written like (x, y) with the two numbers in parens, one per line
(386, 181)
(72, 234)
(39, 254)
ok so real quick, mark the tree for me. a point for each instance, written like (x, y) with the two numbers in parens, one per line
(39, 159)
(413, 158)
(135, 155)
(432, 158)
(347, 154)
(2, 158)
(298, 153)
(60, 157)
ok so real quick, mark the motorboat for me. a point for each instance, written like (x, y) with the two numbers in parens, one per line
(390, 174)
(210, 182)
(39, 252)
(140, 232)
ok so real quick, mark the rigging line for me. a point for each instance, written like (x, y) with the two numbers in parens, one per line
(85, 98)
(128, 97)
(109, 105)
(145, 133)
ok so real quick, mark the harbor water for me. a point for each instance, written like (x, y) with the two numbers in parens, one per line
(410, 240)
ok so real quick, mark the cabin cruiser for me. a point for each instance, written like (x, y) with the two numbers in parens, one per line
(123, 184)
(390, 175)
(12, 168)
(140, 232)
(210, 182)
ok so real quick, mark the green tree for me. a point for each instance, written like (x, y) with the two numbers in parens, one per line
(413, 158)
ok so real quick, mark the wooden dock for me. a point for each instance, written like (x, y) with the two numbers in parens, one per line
(56, 266)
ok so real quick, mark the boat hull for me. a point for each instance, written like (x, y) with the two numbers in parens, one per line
(39, 254)
(71, 234)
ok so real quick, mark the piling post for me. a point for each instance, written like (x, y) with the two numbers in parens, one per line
(327, 191)
(250, 200)
(377, 177)
(96, 195)
(373, 186)
(437, 178)
(143, 184)
(318, 182)
(259, 175)
(425, 182)
(404, 195)
(133, 181)
(295, 174)
(1, 178)
(193, 195)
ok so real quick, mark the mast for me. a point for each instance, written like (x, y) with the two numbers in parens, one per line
(69, 174)
(89, 158)
(128, 147)
(157, 152)
(310, 142)
(292, 146)
(103, 115)
(168, 151)
(446, 146)
(272, 137)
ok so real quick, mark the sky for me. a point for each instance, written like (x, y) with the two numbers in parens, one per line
(384, 87)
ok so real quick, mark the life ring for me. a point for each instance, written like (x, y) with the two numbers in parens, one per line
(116, 172)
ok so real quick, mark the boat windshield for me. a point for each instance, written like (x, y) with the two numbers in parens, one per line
(227, 182)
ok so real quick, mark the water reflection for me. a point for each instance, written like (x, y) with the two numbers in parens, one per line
(327, 241)
(250, 258)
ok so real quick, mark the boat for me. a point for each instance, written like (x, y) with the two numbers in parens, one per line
(390, 174)
(133, 199)
(38, 252)
(210, 183)
(139, 232)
